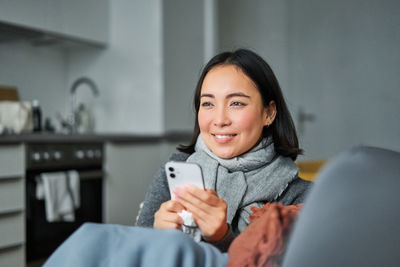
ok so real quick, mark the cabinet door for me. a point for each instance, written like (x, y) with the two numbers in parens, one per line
(14, 256)
(23, 13)
(86, 19)
(12, 229)
(37, 15)
(12, 205)
(12, 161)
(12, 194)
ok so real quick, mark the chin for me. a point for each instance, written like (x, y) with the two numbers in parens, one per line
(225, 155)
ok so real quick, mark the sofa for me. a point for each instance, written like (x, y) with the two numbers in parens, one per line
(351, 217)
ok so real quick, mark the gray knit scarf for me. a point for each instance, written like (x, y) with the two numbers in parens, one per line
(251, 179)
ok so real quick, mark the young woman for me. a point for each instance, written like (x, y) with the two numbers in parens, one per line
(245, 142)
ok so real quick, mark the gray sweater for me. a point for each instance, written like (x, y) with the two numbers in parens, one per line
(158, 193)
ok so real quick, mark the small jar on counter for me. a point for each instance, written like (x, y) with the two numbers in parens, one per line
(36, 116)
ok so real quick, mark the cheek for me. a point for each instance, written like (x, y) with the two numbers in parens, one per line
(203, 120)
(248, 121)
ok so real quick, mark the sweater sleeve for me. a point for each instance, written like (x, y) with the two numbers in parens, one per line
(295, 193)
(224, 243)
(157, 194)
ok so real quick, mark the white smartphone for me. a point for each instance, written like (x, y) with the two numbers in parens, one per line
(181, 173)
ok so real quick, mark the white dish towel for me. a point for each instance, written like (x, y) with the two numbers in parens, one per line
(60, 191)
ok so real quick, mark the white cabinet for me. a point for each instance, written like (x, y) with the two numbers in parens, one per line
(12, 205)
(82, 20)
(24, 13)
(86, 19)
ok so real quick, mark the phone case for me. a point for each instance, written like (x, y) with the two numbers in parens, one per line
(181, 173)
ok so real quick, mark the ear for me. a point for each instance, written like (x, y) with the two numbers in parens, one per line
(269, 113)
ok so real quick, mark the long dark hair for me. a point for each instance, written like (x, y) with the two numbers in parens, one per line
(282, 129)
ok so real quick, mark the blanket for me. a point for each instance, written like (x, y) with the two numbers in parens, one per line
(263, 242)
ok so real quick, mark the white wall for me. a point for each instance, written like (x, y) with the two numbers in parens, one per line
(128, 73)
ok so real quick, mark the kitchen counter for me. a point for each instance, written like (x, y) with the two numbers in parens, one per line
(95, 138)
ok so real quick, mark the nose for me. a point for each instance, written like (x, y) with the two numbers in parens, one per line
(222, 118)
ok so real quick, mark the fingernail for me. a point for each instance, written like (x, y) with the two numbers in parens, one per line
(177, 191)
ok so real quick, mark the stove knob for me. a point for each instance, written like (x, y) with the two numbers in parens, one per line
(36, 156)
(79, 154)
(97, 153)
(57, 155)
(90, 154)
(46, 155)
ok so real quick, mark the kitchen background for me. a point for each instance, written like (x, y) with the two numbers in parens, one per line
(337, 62)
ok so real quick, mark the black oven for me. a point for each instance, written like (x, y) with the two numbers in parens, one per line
(43, 237)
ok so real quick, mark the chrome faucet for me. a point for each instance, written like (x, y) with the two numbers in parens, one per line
(74, 87)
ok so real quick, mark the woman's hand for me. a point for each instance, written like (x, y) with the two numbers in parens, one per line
(208, 210)
(167, 215)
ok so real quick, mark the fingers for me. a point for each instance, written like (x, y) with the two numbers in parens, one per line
(209, 211)
(167, 215)
(197, 196)
(194, 208)
(172, 206)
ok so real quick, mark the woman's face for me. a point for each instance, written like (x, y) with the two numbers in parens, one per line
(231, 116)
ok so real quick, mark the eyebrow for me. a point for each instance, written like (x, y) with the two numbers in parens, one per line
(228, 96)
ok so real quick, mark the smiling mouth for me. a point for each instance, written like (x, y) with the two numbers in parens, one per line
(223, 136)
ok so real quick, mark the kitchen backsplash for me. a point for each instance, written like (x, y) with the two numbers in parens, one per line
(37, 73)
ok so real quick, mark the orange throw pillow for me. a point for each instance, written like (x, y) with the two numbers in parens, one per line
(262, 243)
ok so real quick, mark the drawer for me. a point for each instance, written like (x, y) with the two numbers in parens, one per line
(12, 161)
(12, 194)
(12, 229)
(14, 256)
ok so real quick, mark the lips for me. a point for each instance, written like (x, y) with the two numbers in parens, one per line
(223, 138)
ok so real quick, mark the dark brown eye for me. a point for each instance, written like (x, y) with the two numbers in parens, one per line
(237, 103)
(206, 104)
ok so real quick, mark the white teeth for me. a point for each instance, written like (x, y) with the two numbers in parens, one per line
(223, 136)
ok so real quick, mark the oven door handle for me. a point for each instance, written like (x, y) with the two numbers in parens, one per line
(92, 174)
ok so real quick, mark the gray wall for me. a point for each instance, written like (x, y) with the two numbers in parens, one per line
(259, 25)
(337, 60)
(344, 63)
(183, 46)
(37, 72)
(128, 72)
(146, 76)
